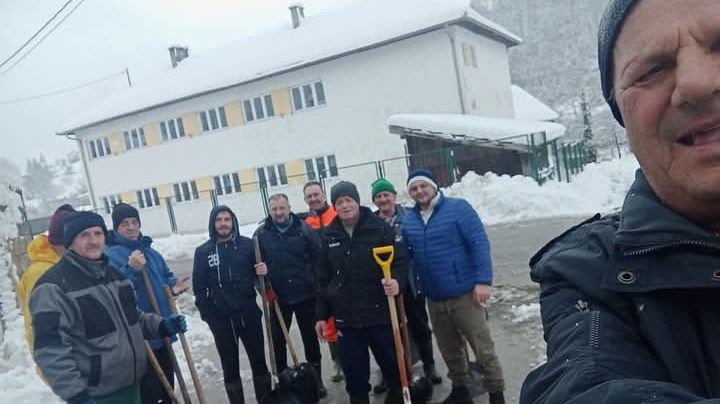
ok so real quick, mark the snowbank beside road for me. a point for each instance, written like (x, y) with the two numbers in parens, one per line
(600, 188)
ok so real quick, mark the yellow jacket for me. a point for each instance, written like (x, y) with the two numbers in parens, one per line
(43, 257)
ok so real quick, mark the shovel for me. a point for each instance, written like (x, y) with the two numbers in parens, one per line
(385, 264)
(421, 389)
(296, 384)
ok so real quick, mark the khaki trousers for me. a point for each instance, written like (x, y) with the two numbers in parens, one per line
(456, 321)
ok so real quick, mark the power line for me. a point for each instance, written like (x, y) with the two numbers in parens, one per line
(60, 91)
(42, 38)
(36, 33)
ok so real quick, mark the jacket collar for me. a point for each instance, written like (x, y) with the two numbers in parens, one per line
(367, 220)
(434, 205)
(115, 238)
(294, 223)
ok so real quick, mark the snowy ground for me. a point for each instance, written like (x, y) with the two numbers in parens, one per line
(507, 203)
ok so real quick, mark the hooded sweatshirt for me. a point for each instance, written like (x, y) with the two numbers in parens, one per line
(223, 275)
(43, 257)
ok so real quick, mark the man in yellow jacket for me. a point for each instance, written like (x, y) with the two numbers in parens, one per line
(44, 252)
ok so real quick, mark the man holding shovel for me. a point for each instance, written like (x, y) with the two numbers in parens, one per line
(132, 253)
(352, 289)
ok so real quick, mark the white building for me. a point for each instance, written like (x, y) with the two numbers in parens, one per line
(286, 106)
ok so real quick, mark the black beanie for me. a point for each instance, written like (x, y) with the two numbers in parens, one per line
(344, 188)
(122, 211)
(610, 26)
(77, 222)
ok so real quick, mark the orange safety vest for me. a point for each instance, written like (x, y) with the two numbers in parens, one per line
(318, 222)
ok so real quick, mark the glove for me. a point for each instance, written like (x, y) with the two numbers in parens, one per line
(172, 325)
(271, 296)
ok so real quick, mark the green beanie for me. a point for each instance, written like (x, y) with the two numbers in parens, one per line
(382, 185)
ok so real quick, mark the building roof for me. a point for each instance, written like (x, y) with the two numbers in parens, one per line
(359, 26)
(527, 107)
(473, 127)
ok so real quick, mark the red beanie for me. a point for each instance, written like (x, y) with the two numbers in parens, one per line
(55, 232)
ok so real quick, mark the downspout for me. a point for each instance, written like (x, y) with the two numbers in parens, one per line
(91, 191)
(451, 35)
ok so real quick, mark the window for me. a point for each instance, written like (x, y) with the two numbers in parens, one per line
(99, 147)
(213, 119)
(469, 57)
(147, 198)
(134, 139)
(321, 167)
(258, 108)
(272, 176)
(185, 191)
(172, 129)
(110, 201)
(227, 184)
(308, 95)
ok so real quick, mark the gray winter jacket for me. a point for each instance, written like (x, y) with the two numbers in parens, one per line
(88, 331)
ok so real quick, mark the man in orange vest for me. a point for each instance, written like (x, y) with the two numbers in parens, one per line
(320, 215)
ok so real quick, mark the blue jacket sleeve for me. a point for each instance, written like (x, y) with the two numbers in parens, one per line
(118, 259)
(473, 232)
(168, 275)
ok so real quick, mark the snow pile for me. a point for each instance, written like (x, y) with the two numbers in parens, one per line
(18, 381)
(525, 312)
(601, 187)
(181, 247)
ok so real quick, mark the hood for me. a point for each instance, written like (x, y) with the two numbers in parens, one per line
(211, 225)
(114, 238)
(40, 250)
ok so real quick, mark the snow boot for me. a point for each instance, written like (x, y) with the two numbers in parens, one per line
(262, 386)
(234, 392)
(322, 391)
(497, 398)
(458, 395)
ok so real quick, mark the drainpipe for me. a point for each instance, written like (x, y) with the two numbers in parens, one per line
(451, 35)
(83, 155)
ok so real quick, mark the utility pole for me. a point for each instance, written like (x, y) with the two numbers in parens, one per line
(19, 191)
(127, 74)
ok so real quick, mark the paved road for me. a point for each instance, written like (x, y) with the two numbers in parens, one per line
(518, 344)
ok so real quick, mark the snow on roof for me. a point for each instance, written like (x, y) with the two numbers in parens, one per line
(529, 108)
(323, 36)
(474, 127)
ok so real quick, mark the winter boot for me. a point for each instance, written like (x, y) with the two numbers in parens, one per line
(394, 396)
(459, 395)
(262, 386)
(322, 391)
(428, 360)
(234, 392)
(359, 400)
(497, 398)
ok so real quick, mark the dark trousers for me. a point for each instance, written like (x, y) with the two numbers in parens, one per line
(305, 314)
(151, 389)
(248, 329)
(419, 327)
(355, 358)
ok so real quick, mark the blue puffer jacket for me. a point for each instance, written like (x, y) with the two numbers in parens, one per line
(451, 253)
(118, 250)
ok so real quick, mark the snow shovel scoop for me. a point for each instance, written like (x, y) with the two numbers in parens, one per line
(297, 384)
(389, 252)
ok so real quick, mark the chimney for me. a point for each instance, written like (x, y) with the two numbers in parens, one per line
(177, 54)
(297, 13)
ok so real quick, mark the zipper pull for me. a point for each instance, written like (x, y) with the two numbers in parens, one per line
(582, 306)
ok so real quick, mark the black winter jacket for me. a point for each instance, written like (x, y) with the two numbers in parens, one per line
(349, 279)
(290, 257)
(223, 275)
(629, 305)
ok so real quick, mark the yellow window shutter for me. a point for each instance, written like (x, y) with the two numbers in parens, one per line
(234, 113)
(164, 191)
(152, 134)
(204, 185)
(281, 102)
(295, 173)
(116, 144)
(129, 197)
(191, 124)
(248, 182)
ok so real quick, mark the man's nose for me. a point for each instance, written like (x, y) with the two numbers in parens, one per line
(697, 78)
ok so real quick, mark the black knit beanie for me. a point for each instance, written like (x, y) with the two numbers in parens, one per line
(344, 188)
(122, 211)
(78, 222)
(610, 26)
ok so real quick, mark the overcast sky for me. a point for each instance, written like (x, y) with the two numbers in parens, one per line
(101, 38)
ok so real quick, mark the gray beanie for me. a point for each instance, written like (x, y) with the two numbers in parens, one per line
(610, 26)
(344, 188)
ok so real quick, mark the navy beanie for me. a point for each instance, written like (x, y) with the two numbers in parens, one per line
(122, 211)
(344, 188)
(610, 26)
(421, 174)
(78, 222)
